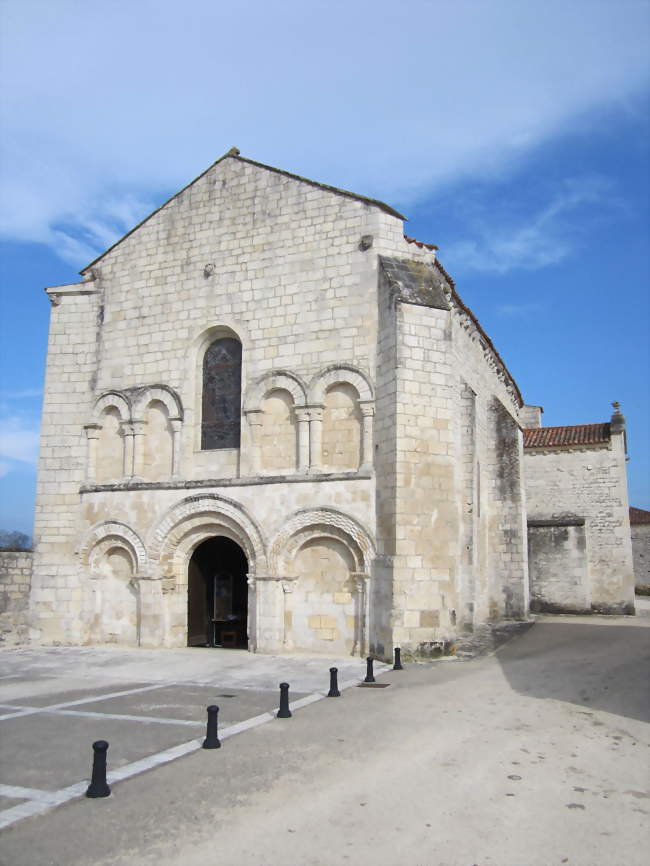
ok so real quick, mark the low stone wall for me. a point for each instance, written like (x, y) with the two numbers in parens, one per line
(15, 583)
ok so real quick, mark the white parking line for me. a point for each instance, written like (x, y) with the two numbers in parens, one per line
(28, 711)
(42, 801)
(160, 720)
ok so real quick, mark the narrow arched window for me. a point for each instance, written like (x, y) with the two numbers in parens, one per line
(221, 416)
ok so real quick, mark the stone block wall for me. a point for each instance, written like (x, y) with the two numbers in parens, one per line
(588, 483)
(558, 566)
(15, 584)
(641, 556)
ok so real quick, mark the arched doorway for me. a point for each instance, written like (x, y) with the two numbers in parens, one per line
(217, 595)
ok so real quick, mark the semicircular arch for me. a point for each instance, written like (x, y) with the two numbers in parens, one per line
(113, 399)
(161, 393)
(312, 523)
(339, 374)
(194, 520)
(112, 533)
(276, 380)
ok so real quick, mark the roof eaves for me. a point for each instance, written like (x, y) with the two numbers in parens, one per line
(335, 189)
(458, 300)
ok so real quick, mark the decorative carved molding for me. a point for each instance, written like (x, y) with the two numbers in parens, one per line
(335, 374)
(318, 523)
(112, 533)
(197, 518)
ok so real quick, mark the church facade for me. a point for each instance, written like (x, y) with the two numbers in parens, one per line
(271, 422)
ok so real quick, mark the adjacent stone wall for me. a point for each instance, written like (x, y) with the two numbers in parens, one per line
(558, 566)
(641, 555)
(589, 483)
(15, 583)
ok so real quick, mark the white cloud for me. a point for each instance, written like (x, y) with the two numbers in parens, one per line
(5, 468)
(18, 440)
(506, 241)
(109, 105)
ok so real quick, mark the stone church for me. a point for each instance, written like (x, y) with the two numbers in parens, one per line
(270, 422)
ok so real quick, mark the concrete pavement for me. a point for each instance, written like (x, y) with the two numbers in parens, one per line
(535, 756)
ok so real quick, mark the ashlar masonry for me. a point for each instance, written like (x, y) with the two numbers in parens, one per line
(271, 422)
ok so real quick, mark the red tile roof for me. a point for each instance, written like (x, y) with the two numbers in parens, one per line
(558, 437)
(420, 244)
(639, 516)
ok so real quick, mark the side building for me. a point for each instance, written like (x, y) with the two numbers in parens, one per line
(640, 531)
(580, 553)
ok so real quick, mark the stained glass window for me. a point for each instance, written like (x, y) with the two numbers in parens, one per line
(221, 418)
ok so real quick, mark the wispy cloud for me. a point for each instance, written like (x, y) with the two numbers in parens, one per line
(529, 240)
(516, 311)
(470, 89)
(22, 394)
(18, 440)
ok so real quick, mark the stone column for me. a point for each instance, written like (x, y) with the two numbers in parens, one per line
(137, 461)
(252, 612)
(92, 435)
(270, 608)
(316, 439)
(367, 414)
(126, 429)
(361, 581)
(287, 614)
(176, 425)
(303, 440)
(254, 418)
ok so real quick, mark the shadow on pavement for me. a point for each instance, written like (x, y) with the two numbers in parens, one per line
(597, 666)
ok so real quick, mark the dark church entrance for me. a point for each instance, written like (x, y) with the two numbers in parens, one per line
(217, 595)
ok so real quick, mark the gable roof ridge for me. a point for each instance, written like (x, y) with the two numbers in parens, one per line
(234, 153)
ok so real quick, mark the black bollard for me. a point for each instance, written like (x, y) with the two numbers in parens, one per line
(398, 660)
(369, 674)
(334, 686)
(98, 786)
(284, 712)
(212, 734)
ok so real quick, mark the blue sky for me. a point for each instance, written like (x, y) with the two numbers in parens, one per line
(514, 135)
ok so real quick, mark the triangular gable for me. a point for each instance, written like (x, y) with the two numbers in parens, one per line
(233, 153)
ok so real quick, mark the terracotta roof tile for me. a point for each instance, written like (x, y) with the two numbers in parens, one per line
(639, 516)
(420, 244)
(558, 437)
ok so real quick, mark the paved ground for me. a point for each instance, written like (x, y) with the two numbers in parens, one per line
(536, 755)
(149, 705)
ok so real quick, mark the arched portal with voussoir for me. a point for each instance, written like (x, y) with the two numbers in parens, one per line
(203, 540)
(115, 557)
(326, 557)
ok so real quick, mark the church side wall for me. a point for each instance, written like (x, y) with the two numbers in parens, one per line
(493, 571)
(71, 367)
(562, 487)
